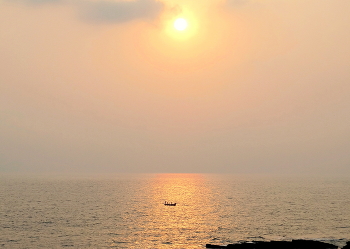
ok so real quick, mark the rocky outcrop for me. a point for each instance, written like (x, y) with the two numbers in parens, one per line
(294, 244)
(347, 246)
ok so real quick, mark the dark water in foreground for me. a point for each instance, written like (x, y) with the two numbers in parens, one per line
(126, 211)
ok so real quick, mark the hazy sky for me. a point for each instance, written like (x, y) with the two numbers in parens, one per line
(260, 86)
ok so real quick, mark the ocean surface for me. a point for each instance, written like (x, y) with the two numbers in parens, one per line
(127, 211)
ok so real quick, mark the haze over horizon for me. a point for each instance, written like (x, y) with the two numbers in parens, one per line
(104, 86)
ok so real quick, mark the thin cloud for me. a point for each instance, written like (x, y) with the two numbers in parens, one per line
(122, 11)
(110, 11)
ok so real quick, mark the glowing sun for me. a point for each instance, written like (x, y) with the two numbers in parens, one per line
(180, 24)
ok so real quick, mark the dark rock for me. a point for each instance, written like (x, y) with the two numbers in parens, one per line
(294, 244)
(246, 245)
(347, 246)
(306, 244)
(214, 246)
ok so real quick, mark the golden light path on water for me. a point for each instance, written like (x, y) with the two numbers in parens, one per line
(180, 226)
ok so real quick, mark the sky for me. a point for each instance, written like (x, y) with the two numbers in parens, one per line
(109, 86)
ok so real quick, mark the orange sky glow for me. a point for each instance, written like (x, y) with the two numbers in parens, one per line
(249, 86)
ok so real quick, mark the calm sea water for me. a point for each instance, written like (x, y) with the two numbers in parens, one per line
(127, 211)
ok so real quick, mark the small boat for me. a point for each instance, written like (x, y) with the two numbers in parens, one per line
(169, 203)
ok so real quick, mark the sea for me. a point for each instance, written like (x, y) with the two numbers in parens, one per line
(128, 211)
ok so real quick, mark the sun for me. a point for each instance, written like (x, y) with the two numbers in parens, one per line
(180, 24)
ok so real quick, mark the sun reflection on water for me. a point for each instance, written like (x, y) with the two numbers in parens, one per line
(178, 225)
